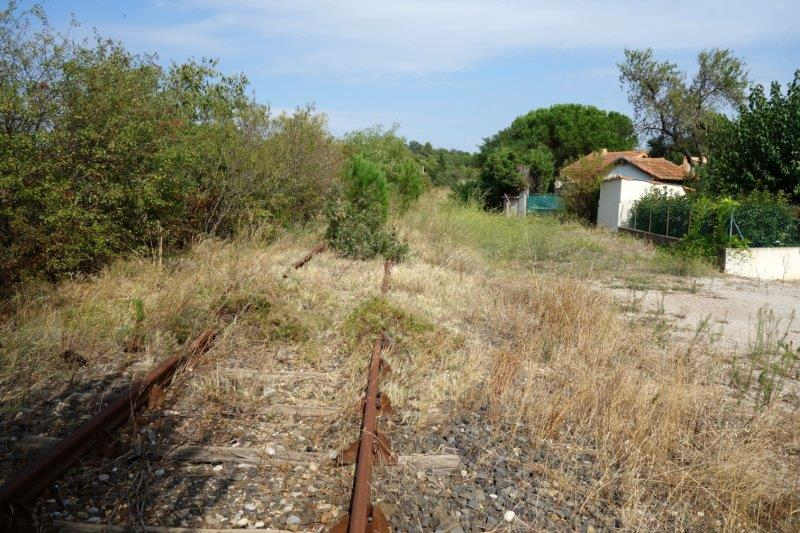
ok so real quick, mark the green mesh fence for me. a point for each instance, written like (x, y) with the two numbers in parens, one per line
(545, 203)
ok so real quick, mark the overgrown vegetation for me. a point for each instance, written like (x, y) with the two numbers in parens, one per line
(771, 362)
(105, 152)
(757, 150)
(662, 213)
(548, 243)
(709, 225)
(527, 154)
(390, 154)
(357, 221)
(444, 167)
(667, 444)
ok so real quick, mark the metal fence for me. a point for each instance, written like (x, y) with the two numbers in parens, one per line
(672, 219)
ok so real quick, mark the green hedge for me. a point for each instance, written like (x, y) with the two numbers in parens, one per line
(662, 213)
(708, 225)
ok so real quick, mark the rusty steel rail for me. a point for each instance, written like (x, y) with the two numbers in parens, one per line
(318, 249)
(22, 490)
(363, 517)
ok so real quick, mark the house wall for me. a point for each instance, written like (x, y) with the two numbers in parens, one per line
(618, 194)
(764, 263)
(629, 171)
(608, 205)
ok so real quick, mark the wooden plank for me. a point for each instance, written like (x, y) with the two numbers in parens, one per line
(249, 456)
(258, 375)
(437, 463)
(288, 375)
(84, 527)
(301, 410)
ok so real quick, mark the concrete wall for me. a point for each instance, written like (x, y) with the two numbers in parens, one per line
(625, 185)
(764, 263)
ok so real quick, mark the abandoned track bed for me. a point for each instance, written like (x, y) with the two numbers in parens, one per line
(272, 458)
(247, 439)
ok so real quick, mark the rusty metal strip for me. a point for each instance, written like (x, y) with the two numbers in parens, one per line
(363, 517)
(318, 249)
(372, 445)
(36, 478)
(359, 504)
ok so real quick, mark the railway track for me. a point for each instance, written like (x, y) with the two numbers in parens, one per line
(301, 475)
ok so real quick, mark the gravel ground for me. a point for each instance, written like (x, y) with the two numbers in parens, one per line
(505, 482)
(730, 305)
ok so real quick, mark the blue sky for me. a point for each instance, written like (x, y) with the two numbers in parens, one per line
(447, 71)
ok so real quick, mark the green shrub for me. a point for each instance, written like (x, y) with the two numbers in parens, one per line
(581, 198)
(357, 221)
(409, 184)
(467, 192)
(105, 153)
(709, 225)
(662, 213)
(766, 220)
(393, 157)
(502, 174)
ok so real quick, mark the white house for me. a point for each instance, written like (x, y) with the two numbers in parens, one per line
(630, 178)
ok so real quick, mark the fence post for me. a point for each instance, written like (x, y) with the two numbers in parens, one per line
(650, 224)
(667, 230)
(730, 227)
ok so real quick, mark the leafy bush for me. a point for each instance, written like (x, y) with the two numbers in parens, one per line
(105, 153)
(356, 222)
(758, 149)
(394, 158)
(468, 192)
(408, 184)
(297, 167)
(581, 198)
(662, 213)
(502, 174)
(709, 225)
(766, 220)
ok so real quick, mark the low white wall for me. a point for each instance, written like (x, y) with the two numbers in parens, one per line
(764, 263)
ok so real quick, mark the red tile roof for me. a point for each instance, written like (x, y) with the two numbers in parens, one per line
(656, 167)
(603, 159)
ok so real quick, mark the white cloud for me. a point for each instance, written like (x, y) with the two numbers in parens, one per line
(424, 36)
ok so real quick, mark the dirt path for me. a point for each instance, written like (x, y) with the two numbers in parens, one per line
(732, 308)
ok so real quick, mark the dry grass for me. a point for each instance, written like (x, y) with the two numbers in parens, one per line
(486, 312)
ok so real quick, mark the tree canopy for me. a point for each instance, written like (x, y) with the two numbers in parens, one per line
(568, 131)
(393, 157)
(443, 166)
(501, 175)
(681, 113)
(536, 144)
(758, 151)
